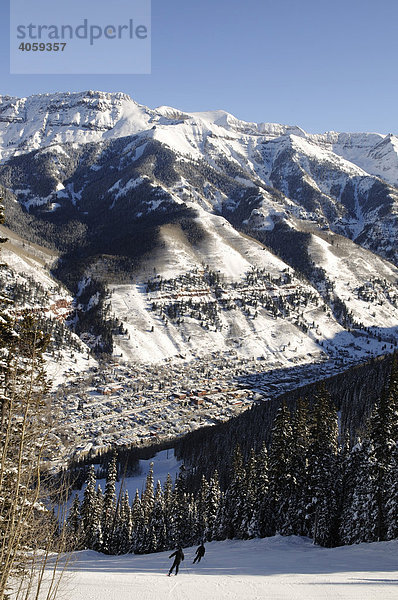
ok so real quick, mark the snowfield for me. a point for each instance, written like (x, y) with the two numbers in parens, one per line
(275, 568)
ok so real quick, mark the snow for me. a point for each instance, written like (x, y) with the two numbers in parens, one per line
(53, 119)
(264, 335)
(50, 120)
(312, 151)
(375, 153)
(185, 139)
(123, 191)
(55, 148)
(325, 162)
(151, 339)
(349, 275)
(25, 260)
(276, 568)
(245, 182)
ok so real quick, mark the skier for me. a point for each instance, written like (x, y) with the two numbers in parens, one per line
(200, 552)
(178, 557)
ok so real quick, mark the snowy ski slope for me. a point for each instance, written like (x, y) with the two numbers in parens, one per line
(277, 568)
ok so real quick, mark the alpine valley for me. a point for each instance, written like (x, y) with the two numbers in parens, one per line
(191, 264)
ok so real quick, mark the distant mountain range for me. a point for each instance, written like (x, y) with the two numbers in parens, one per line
(201, 232)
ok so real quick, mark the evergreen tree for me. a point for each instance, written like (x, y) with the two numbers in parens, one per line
(190, 537)
(393, 394)
(363, 515)
(74, 524)
(148, 495)
(392, 497)
(147, 501)
(123, 526)
(98, 539)
(157, 524)
(169, 516)
(249, 526)
(220, 529)
(108, 521)
(212, 506)
(262, 523)
(321, 508)
(181, 510)
(382, 427)
(349, 470)
(280, 465)
(89, 511)
(293, 523)
(235, 498)
(138, 526)
(201, 524)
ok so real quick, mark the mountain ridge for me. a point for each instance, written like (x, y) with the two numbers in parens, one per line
(121, 190)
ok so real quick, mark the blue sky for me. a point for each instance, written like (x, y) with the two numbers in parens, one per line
(320, 64)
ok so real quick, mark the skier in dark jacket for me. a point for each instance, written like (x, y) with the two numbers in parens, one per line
(178, 557)
(200, 552)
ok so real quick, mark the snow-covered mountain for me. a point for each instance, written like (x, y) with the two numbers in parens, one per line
(342, 180)
(196, 206)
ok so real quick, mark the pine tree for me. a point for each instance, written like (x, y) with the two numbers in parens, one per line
(280, 465)
(363, 515)
(148, 495)
(108, 520)
(88, 511)
(295, 502)
(138, 526)
(349, 470)
(220, 529)
(393, 395)
(74, 524)
(169, 516)
(262, 522)
(190, 537)
(181, 510)
(157, 524)
(392, 497)
(235, 498)
(98, 539)
(382, 428)
(123, 526)
(249, 525)
(321, 508)
(147, 501)
(212, 506)
(201, 524)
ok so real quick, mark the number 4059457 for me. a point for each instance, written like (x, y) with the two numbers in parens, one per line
(42, 47)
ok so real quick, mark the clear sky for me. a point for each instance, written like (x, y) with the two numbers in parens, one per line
(320, 64)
